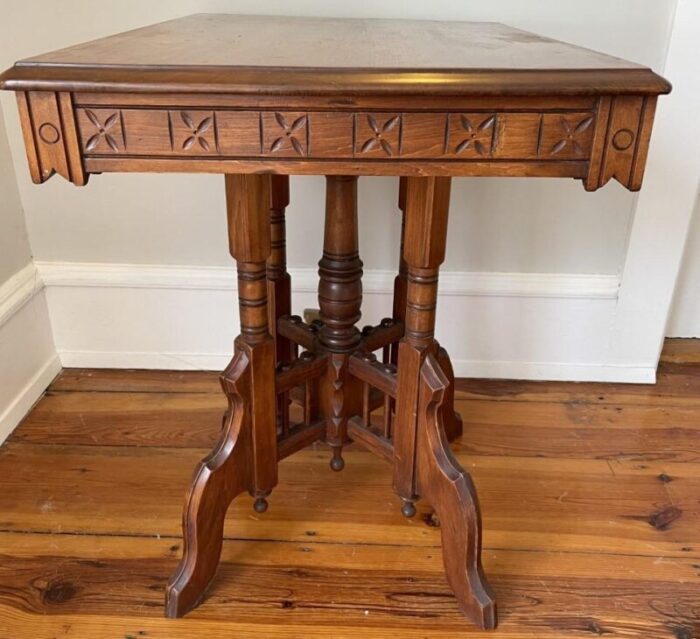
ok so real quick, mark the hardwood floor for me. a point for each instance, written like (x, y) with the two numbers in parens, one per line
(590, 496)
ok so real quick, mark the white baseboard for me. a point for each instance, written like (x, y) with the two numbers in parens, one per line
(553, 371)
(28, 358)
(28, 395)
(146, 360)
(498, 325)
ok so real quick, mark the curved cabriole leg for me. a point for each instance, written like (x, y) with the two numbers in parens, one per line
(218, 479)
(449, 489)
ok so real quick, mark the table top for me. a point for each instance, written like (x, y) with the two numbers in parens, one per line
(258, 54)
(240, 94)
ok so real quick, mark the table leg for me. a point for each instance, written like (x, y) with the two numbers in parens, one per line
(246, 456)
(279, 284)
(401, 280)
(450, 490)
(423, 463)
(452, 419)
(340, 301)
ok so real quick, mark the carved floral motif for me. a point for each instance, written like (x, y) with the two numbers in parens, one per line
(479, 135)
(197, 132)
(291, 134)
(104, 131)
(378, 137)
(573, 136)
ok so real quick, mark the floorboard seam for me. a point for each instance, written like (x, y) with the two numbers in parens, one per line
(336, 543)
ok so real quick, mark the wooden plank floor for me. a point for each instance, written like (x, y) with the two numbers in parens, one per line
(590, 496)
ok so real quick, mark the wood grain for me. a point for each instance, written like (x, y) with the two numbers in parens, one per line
(676, 384)
(327, 134)
(524, 429)
(291, 581)
(518, 137)
(188, 108)
(320, 166)
(336, 97)
(574, 543)
(327, 55)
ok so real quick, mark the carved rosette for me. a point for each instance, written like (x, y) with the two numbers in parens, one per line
(567, 136)
(105, 132)
(284, 134)
(300, 135)
(193, 131)
(101, 130)
(471, 135)
(378, 135)
(610, 138)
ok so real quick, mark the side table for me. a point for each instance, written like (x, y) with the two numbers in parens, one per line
(259, 98)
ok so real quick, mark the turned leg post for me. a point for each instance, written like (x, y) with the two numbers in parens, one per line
(245, 458)
(248, 198)
(340, 301)
(427, 204)
(279, 284)
(423, 463)
(453, 420)
(401, 280)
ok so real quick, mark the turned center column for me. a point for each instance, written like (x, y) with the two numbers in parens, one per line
(340, 301)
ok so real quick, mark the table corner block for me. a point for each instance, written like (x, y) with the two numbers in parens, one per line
(50, 135)
(628, 121)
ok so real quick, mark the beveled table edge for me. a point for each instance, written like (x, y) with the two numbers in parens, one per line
(26, 76)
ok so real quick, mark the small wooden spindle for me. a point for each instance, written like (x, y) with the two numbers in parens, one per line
(387, 416)
(280, 413)
(307, 402)
(285, 414)
(366, 414)
(386, 354)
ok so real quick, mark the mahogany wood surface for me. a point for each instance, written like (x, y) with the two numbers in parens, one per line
(259, 98)
(588, 493)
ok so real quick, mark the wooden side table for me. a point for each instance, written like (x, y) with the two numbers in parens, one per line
(262, 98)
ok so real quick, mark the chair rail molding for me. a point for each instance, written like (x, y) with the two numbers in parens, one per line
(305, 280)
(19, 289)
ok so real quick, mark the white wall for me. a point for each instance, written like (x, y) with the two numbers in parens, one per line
(28, 359)
(14, 243)
(685, 318)
(515, 225)
(500, 230)
(664, 210)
